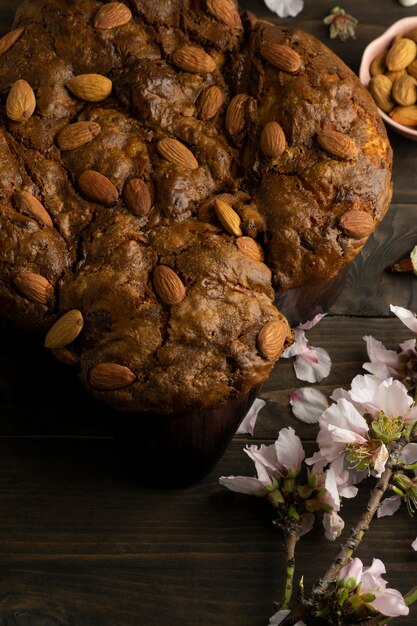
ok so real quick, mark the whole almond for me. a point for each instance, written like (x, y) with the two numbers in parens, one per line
(112, 15)
(273, 142)
(168, 285)
(404, 90)
(35, 287)
(412, 69)
(250, 248)
(98, 187)
(211, 102)
(236, 114)
(225, 12)
(66, 356)
(21, 102)
(282, 57)
(194, 60)
(378, 64)
(65, 330)
(405, 115)
(111, 376)
(228, 217)
(207, 212)
(90, 87)
(271, 340)
(357, 224)
(401, 54)
(337, 144)
(176, 153)
(8, 40)
(76, 135)
(380, 88)
(25, 201)
(137, 197)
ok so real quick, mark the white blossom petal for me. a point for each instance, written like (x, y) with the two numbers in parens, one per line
(409, 454)
(333, 525)
(377, 352)
(407, 317)
(410, 344)
(352, 569)
(414, 544)
(279, 617)
(249, 421)
(330, 484)
(243, 484)
(390, 602)
(285, 8)
(299, 345)
(308, 404)
(389, 506)
(311, 323)
(380, 460)
(313, 364)
(379, 370)
(289, 449)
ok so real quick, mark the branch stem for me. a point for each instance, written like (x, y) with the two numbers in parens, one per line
(291, 539)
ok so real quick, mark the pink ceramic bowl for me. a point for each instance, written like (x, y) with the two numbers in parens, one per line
(379, 45)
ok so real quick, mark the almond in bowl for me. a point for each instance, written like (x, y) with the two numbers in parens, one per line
(389, 70)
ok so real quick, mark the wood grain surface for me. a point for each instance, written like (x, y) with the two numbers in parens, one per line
(83, 545)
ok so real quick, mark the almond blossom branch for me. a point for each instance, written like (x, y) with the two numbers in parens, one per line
(291, 539)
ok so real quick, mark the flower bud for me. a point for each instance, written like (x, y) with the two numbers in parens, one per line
(276, 498)
(288, 485)
(403, 482)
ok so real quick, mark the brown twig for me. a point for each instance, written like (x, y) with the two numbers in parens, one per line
(313, 600)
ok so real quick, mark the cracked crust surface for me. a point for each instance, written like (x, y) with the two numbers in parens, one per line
(100, 260)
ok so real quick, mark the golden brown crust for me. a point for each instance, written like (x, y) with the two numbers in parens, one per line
(98, 190)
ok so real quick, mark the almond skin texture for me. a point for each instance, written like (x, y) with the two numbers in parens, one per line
(273, 141)
(21, 102)
(25, 201)
(357, 224)
(272, 338)
(137, 197)
(110, 376)
(412, 69)
(283, 57)
(225, 12)
(34, 287)
(250, 248)
(90, 87)
(194, 60)
(405, 115)
(236, 114)
(207, 211)
(337, 144)
(401, 54)
(168, 285)
(228, 218)
(8, 40)
(380, 88)
(98, 188)
(65, 330)
(211, 103)
(112, 15)
(175, 152)
(378, 64)
(76, 135)
(404, 90)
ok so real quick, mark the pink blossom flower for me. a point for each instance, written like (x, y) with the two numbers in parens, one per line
(414, 544)
(281, 459)
(311, 364)
(285, 8)
(369, 580)
(344, 432)
(308, 404)
(248, 424)
(407, 317)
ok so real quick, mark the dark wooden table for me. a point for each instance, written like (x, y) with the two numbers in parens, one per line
(82, 545)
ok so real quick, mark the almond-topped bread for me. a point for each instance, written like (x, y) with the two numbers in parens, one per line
(165, 166)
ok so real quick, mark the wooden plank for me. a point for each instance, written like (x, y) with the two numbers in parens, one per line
(83, 546)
